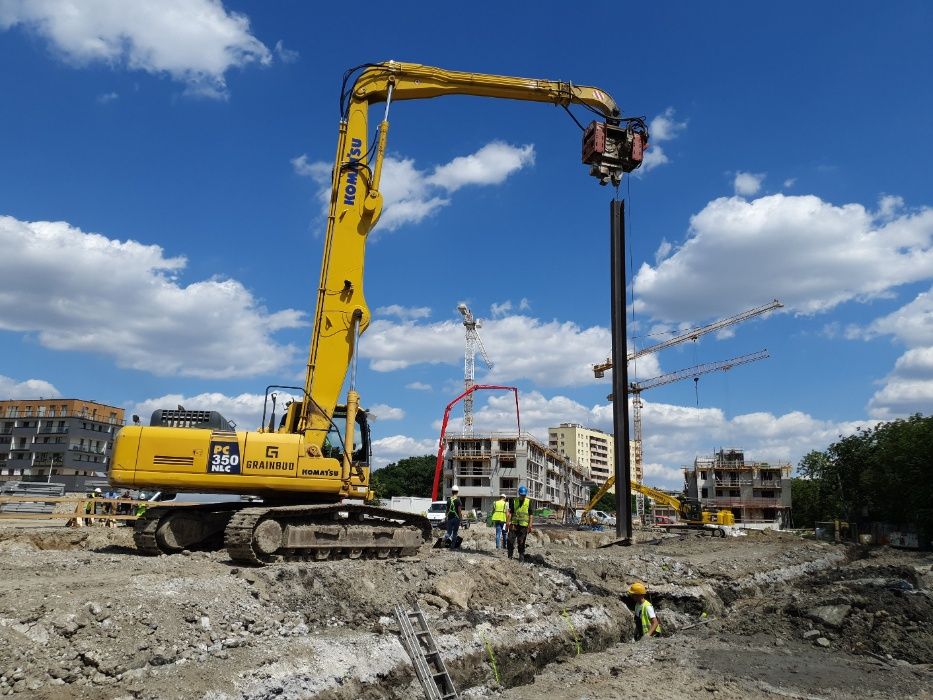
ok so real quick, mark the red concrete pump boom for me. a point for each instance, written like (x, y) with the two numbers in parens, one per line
(440, 447)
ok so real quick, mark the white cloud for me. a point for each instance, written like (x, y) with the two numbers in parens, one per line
(654, 157)
(748, 184)
(404, 312)
(395, 447)
(381, 411)
(665, 127)
(411, 195)
(548, 353)
(789, 182)
(501, 309)
(908, 388)
(663, 251)
(83, 291)
(810, 254)
(490, 165)
(193, 41)
(107, 97)
(285, 55)
(26, 389)
(418, 386)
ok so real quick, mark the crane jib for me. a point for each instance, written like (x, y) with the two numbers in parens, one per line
(349, 189)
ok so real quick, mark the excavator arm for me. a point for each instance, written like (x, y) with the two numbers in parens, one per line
(611, 148)
(658, 496)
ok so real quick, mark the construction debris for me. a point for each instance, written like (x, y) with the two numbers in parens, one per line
(83, 616)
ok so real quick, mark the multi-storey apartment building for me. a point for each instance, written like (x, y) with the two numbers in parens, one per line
(61, 440)
(755, 492)
(484, 466)
(592, 449)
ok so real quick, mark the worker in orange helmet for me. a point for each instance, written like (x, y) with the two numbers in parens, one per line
(646, 621)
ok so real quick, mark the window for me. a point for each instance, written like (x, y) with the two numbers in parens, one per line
(734, 493)
(703, 475)
(704, 493)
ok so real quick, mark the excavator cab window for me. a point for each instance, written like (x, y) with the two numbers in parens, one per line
(333, 441)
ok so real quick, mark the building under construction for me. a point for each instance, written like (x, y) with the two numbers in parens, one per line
(485, 466)
(757, 493)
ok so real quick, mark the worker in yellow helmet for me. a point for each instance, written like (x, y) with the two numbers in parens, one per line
(646, 621)
(499, 510)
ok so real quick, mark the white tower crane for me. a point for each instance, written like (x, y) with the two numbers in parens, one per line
(473, 343)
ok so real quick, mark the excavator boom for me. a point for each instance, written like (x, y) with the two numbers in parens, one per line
(306, 467)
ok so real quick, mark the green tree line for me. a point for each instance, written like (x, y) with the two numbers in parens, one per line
(412, 476)
(884, 473)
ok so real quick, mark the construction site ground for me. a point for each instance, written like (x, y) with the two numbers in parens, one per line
(768, 615)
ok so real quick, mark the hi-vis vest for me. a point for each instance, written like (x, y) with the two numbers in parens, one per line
(520, 511)
(498, 511)
(452, 506)
(645, 620)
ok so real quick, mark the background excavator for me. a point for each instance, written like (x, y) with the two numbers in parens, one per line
(691, 513)
(311, 470)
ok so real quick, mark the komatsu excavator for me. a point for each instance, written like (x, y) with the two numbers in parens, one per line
(309, 474)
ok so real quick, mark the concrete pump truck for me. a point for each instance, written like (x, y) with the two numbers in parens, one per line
(310, 471)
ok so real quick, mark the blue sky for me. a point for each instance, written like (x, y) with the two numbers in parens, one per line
(160, 212)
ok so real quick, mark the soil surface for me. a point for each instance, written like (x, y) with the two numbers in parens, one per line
(770, 615)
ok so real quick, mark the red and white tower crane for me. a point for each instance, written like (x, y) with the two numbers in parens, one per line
(473, 344)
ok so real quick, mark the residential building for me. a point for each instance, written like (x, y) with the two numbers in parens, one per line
(757, 493)
(592, 449)
(484, 466)
(61, 440)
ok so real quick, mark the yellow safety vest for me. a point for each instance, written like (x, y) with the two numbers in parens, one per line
(498, 511)
(452, 506)
(642, 610)
(520, 512)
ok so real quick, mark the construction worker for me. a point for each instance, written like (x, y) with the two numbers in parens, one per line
(646, 621)
(519, 522)
(499, 516)
(454, 515)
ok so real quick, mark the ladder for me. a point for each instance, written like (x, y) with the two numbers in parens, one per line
(429, 666)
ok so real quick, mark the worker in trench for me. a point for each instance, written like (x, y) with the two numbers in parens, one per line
(646, 620)
(519, 522)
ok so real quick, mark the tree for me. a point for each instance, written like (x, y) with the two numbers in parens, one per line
(412, 476)
(805, 497)
(607, 503)
(880, 473)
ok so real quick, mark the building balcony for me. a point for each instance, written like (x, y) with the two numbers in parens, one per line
(722, 502)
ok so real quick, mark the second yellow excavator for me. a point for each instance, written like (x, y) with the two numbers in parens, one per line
(689, 510)
(311, 470)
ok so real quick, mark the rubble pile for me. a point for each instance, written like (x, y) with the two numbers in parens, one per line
(83, 616)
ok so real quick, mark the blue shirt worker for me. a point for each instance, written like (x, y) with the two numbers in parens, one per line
(499, 516)
(646, 621)
(519, 522)
(454, 514)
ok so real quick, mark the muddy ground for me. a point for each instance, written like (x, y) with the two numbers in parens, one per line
(770, 615)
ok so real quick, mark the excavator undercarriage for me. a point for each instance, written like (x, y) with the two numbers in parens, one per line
(262, 535)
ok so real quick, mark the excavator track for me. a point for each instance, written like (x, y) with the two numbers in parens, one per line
(144, 532)
(261, 535)
(265, 535)
(172, 529)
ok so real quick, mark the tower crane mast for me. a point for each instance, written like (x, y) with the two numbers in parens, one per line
(473, 343)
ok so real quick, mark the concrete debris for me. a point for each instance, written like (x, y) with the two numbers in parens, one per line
(85, 617)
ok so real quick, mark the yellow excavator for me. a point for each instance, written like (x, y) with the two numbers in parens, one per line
(691, 513)
(311, 470)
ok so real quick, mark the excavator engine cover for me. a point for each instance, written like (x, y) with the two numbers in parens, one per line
(611, 150)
